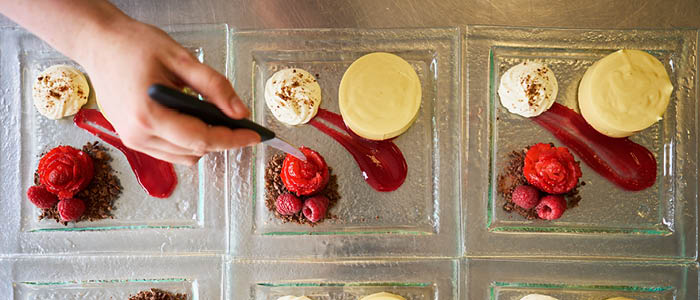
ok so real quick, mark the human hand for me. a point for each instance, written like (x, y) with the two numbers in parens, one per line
(124, 59)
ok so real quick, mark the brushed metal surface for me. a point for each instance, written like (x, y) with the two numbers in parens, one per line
(251, 14)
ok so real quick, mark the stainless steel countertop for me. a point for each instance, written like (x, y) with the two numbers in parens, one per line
(243, 14)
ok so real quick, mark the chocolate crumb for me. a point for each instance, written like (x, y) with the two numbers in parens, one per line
(512, 176)
(275, 187)
(158, 294)
(99, 195)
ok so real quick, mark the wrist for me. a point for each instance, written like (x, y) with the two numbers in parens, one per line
(98, 34)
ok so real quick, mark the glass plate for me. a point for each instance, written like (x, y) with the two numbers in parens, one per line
(657, 222)
(83, 277)
(579, 280)
(414, 280)
(423, 210)
(141, 223)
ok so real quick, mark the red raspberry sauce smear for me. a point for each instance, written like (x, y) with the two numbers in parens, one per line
(155, 176)
(625, 163)
(381, 162)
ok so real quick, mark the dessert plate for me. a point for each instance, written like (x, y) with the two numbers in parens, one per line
(411, 279)
(658, 222)
(423, 211)
(573, 280)
(181, 222)
(110, 277)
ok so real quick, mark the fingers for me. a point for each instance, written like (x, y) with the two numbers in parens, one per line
(207, 81)
(190, 133)
(168, 147)
(162, 149)
(187, 160)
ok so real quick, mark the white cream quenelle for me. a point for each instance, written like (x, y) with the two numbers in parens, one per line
(528, 89)
(60, 91)
(383, 296)
(624, 92)
(293, 96)
(294, 298)
(538, 297)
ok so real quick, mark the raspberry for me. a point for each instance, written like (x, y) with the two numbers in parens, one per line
(287, 204)
(305, 178)
(526, 196)
(40, 197)
(71, 209)
(315, 208)
(551, 207)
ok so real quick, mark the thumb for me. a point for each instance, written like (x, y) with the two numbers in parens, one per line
(208, 82)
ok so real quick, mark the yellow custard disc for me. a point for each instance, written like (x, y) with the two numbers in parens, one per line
(624, 92)
(379, 96)
(383, 296)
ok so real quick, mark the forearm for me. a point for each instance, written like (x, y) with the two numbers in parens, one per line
(64, 24)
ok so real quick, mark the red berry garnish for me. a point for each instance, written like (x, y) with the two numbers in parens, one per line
(305, 177)
(315, 208)
(40, 197)
(551, 207)
(287, 204)
(65, 171)
(526, 196)
(551, 169)
(71, 209)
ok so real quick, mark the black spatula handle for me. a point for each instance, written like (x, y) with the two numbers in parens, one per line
(203, 110)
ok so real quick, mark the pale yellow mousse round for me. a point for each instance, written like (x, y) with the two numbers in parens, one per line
(624, 92)
(379, 96)
(383, 296)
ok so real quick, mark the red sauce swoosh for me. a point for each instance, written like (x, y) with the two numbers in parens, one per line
(381, 162)
(625, 163)
(155, 176)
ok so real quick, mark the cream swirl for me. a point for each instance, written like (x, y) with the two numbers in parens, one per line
(60, 91)
(537, 297)
(383, 296)
(294, 298)
(528, 89)
(293, 95)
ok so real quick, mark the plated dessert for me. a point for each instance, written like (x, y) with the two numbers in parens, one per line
(621, 94)
(379, 98)
(75, 185)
